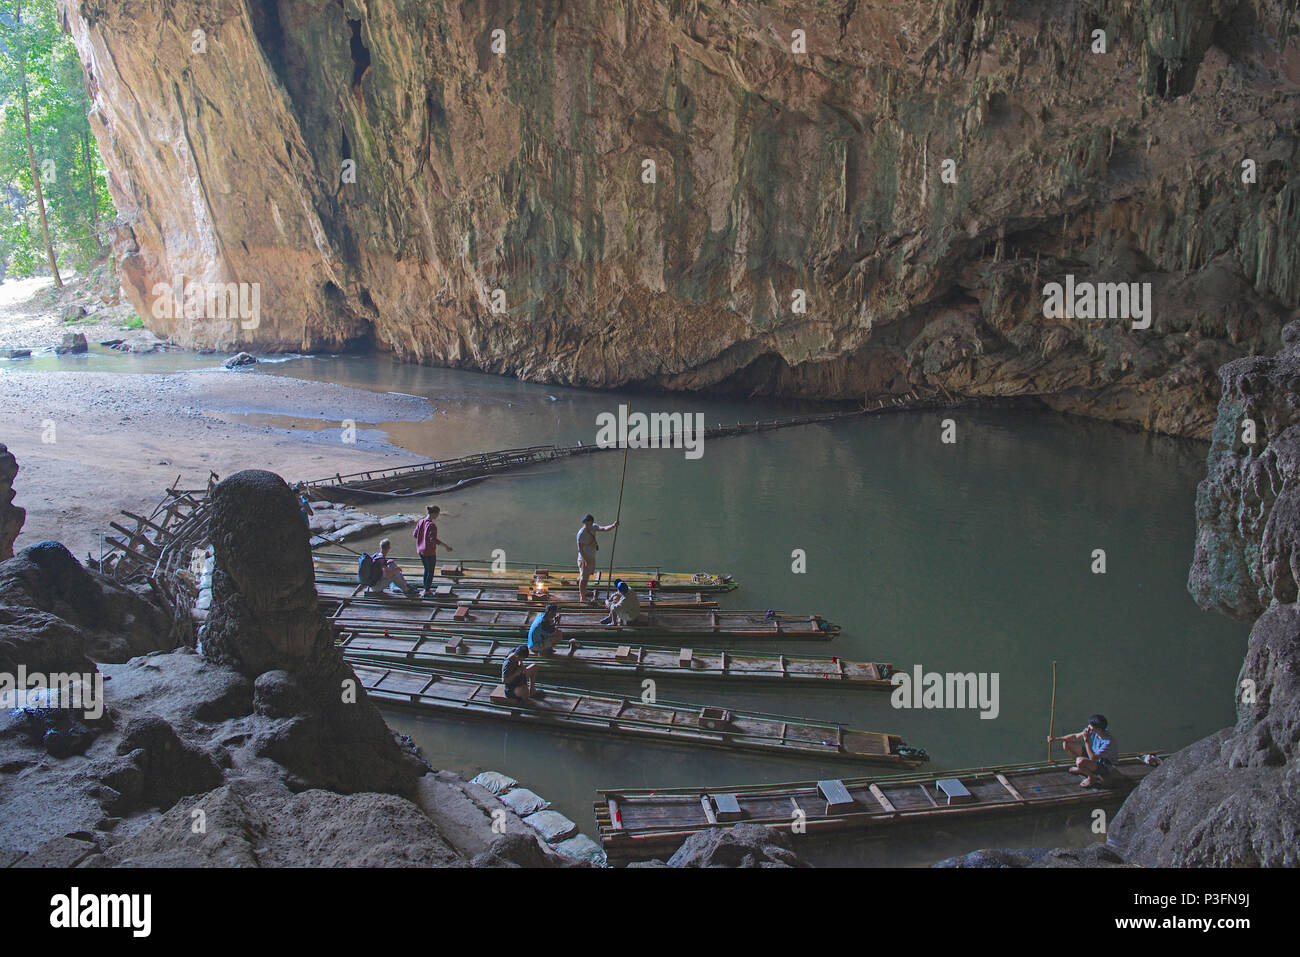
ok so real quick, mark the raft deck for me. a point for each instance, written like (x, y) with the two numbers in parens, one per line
(663, 722)
(427, 617)
(515, 574)
(635, 823)
(485, 656)
(339, 588)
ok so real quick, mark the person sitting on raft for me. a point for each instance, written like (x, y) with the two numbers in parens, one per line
(520, 679)
(387, 572)
(304, 505)
(587, 553)
(1093, 750)
(544, 632)
(624, 606)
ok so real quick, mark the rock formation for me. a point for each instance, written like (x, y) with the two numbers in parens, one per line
(466, 184)
(11, 516)
(253, 753)
(264, 622)
(115, 622)
(1233, 799)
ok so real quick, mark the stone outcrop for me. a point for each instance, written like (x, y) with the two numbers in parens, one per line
(264, 622)
(741, 845)
(11, 516)
(114, 622)
(517, 162)
(1233, 799)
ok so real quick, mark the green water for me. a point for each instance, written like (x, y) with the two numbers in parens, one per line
(968, 557)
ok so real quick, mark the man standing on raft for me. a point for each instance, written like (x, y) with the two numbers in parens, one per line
(1093, 750)
(427, 542)
(587, 553)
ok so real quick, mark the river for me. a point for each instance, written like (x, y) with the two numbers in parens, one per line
(971, 556)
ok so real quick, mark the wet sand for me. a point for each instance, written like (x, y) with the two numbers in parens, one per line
(89, 444)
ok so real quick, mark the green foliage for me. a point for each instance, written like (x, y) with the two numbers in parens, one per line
(135, 322)
(35, 52)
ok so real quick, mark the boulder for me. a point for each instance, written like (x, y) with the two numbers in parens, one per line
(73, 342)
(741, 845)
(116, 621)
(241, 359)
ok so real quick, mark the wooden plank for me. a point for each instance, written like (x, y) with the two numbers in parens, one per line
(879, 795)
(615, 818)
(707, 803)
(1002, 779)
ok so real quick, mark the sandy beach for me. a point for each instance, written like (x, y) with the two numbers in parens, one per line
(89, 444)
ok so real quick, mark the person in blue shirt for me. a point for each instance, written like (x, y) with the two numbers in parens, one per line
(1093, 750)
(544, 632)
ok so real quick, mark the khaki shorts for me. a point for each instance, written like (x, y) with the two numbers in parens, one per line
(584, 565)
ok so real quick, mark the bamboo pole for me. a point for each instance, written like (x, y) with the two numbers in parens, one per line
(1051, 725)
(618, 515)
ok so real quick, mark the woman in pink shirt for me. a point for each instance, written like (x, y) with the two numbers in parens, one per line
(427, 542)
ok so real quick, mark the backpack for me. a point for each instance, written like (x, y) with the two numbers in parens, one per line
(367, 570)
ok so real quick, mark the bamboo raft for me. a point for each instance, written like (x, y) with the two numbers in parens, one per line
(416, 616)
(485, 656)
(338, 588)
(636, 823)
(665, 722)
(479, 573)
(420, 477)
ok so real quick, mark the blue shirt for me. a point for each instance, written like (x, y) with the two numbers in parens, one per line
(1102, 747)
(538, 633)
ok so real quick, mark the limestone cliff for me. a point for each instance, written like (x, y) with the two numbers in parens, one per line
(516, 161)
(1234, 798)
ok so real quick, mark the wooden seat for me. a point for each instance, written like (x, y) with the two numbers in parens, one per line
(727, 808)
(455, 646)
(623, 653)
(462, 612)
(955, 791)
(499, 696)
(686, 658)
(443, 591)
(836, 794)
(524, 594)
(715, 719)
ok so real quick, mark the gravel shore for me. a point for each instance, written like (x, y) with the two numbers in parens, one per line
(89, 444)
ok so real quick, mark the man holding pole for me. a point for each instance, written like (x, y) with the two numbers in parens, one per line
(587, 553)
(1093, 750)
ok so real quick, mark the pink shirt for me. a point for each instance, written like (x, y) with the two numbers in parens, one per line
(426, 536)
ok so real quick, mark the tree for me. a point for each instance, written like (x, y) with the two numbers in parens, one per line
(23, 44)
(53, 195)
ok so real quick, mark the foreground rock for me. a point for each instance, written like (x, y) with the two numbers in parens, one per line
(11, 516)
(264, 622)
(115, 622)
(741, 845)
(263, 738)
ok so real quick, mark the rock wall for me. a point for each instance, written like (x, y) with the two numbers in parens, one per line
(11, 516)
(1233, 799)
(516, 162)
